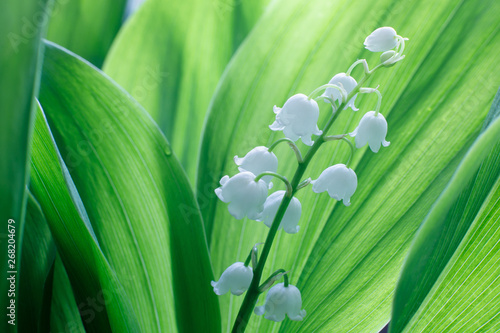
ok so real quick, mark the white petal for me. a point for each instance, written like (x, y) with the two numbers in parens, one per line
(218, 192)
(224, 180)
(354, 133)
(307, 140)
(317, 131)
(259, 310)
(276, 126)
(238, 161)
(381, 40)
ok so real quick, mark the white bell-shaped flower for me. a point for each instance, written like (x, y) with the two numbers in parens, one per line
(236, 278)
(281, 301)
(372, 129)
(348, 83)
(257, 161)
(298, 119)
(340, 182)
(245, 196)
(290, 220)
(382, 39)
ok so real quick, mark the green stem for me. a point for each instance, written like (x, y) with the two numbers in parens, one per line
(253, 293)
(249, 258)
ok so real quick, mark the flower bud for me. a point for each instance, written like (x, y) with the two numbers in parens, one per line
(281, 301)
(257, 161)
(245, 196)
(290, 220)
(381, 40)
(346, 82)
(387, 55)
(236, 278)
(297, 119)
(339, 181)
(372, 129)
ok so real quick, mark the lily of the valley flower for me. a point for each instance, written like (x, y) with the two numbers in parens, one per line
(236, 278)
(345, 81)
(245, 196)
(340, 182)
(257, 161)
(297, 119)
(290, 220)
(372, 129)
(281, 301)
(382, 39)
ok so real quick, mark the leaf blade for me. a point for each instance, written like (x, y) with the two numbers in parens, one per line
(144, 214)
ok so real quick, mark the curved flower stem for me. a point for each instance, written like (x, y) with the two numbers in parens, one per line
(253, 293)
(292, 145)
(289, 188)
(379, 97)
(352, 150)
(379, 102)
(335, 137)
(342, 137)
(360, 61)
(401, 45)
(343, 92)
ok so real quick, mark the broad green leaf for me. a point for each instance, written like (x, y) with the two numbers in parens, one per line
(137, 196)
(465, 297)
(38, 256)
(20, 72)
(64, 314)
(86, 27)
(443, 232)
(346, 260)
(90, 273)
(170, 55)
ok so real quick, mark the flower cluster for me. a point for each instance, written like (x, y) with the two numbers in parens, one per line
(247, 192)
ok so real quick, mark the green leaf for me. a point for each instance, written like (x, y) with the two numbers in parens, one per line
(20, 72)
(65, 316)
(137, 196)
(86, 27)
(38, 256)
(89, 271)
(170, 56)
(459, 216)
(346, 260)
